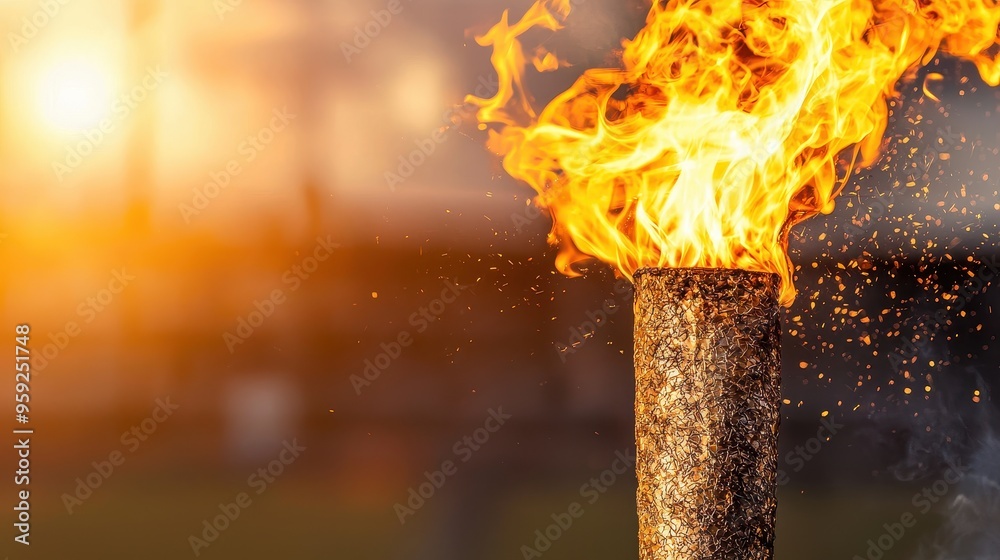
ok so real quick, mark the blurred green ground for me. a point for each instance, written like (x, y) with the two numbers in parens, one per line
(302, 516)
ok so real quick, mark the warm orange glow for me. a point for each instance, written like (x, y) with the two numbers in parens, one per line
(725, 125)
(74, 94)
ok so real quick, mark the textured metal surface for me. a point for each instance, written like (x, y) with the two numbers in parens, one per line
(707, 404)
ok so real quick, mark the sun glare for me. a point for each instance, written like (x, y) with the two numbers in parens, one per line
(74, 95)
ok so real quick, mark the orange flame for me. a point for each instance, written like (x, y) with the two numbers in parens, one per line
(723, 127)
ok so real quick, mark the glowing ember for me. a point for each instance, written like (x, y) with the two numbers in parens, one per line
(724, 125)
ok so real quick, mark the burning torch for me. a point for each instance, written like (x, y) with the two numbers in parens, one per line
(727, 123)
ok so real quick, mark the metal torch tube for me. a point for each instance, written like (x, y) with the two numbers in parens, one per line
(707, 357)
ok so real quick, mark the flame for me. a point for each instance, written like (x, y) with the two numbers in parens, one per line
(727, 123)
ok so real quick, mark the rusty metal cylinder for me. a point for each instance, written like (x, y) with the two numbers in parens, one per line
(707, 371)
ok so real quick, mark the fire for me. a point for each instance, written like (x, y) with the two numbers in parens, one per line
(727, 123)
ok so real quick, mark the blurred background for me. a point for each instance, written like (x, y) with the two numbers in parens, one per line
(275, 221)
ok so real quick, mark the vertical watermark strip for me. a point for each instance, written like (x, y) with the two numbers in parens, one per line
(22, 435)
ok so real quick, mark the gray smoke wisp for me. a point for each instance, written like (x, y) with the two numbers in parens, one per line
(971, 528)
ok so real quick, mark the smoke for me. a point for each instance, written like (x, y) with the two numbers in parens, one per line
(971, 529)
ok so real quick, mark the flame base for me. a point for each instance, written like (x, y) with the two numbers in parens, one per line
(707, 366)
